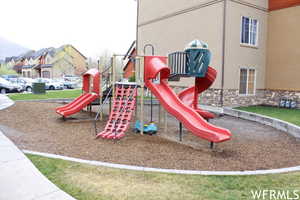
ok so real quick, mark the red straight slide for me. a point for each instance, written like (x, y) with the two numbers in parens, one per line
(77, 105)
(155, 65)
(190, 95)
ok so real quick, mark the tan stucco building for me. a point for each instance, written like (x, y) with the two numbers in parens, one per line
(284, 50)
(253, 50)
(54, 63)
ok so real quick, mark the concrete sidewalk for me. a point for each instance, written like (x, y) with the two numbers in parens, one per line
(5, 102)
(19, 178)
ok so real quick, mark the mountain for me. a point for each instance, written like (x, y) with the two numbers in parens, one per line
(8, 49)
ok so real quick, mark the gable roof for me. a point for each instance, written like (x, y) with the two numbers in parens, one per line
(41, 52)
(129, 54)
(130, 50)
(69, 45)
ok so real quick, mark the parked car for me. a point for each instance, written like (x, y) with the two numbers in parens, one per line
(50, 84)
(26, 83)
(71, 78)
(9, 77)
(6, 87)
(68, 84)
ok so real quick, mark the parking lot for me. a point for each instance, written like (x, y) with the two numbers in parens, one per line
(17, 84)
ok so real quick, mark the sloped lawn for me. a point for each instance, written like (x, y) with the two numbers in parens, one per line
(86, 182)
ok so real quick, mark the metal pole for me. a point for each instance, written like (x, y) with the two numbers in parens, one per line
(137, 25)
(166, 121)
(223, 53)
(113, 75)
(151, 108)
(211, 145)
(159, 115)
(151, 96)
(101, 85)
(142, 95)
(180, 131)
(136, 80)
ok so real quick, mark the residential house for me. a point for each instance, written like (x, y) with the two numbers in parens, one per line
(36, 65)
(254, 48)
(9, 62)
(78, 59)
(53, 63)
(129, 61)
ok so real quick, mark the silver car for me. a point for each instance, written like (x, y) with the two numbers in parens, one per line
(6, 87)
(50, 84)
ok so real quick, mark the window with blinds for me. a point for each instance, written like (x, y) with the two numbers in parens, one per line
(249, 32)
(247, 81)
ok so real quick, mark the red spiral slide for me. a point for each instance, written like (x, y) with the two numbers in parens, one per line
(190, 95)
(155, 65)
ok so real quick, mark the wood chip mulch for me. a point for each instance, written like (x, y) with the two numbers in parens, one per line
(35, 126)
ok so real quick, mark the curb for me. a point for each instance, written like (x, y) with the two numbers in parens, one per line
(171, 171)
(278, 124)
(47, 100)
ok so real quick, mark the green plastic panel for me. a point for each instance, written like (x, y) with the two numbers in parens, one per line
(197, 61)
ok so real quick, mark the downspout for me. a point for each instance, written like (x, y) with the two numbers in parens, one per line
(137, 26)
(223, 53)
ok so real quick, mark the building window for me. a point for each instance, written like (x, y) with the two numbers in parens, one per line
(249, 32)
(247, 81)
(45, 74)
(28, 74)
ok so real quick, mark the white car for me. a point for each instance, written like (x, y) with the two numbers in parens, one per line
(25, 83)
(50, 84)
(6, 86)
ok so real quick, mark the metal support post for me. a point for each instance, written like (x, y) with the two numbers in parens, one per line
(180, 131)
(142, 84)
(211, 145)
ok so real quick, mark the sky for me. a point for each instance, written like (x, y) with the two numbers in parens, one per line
(91, 26)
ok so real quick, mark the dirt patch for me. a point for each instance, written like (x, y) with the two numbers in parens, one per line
(35, 126)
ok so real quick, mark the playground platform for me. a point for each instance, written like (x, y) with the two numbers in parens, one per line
(19, 178)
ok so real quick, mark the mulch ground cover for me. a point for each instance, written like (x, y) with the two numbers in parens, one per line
(35, 126)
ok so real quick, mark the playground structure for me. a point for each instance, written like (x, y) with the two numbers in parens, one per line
(153, 73)
(91, 90)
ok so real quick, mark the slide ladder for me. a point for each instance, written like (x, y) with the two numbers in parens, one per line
(121, 113)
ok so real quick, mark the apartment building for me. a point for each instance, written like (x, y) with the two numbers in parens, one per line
(243, 38)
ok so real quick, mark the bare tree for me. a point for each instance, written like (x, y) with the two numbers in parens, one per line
(104, 60)
(92, 63)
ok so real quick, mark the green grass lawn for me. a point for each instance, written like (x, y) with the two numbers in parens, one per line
(58, 94)
(289, 115)
(86, 182)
